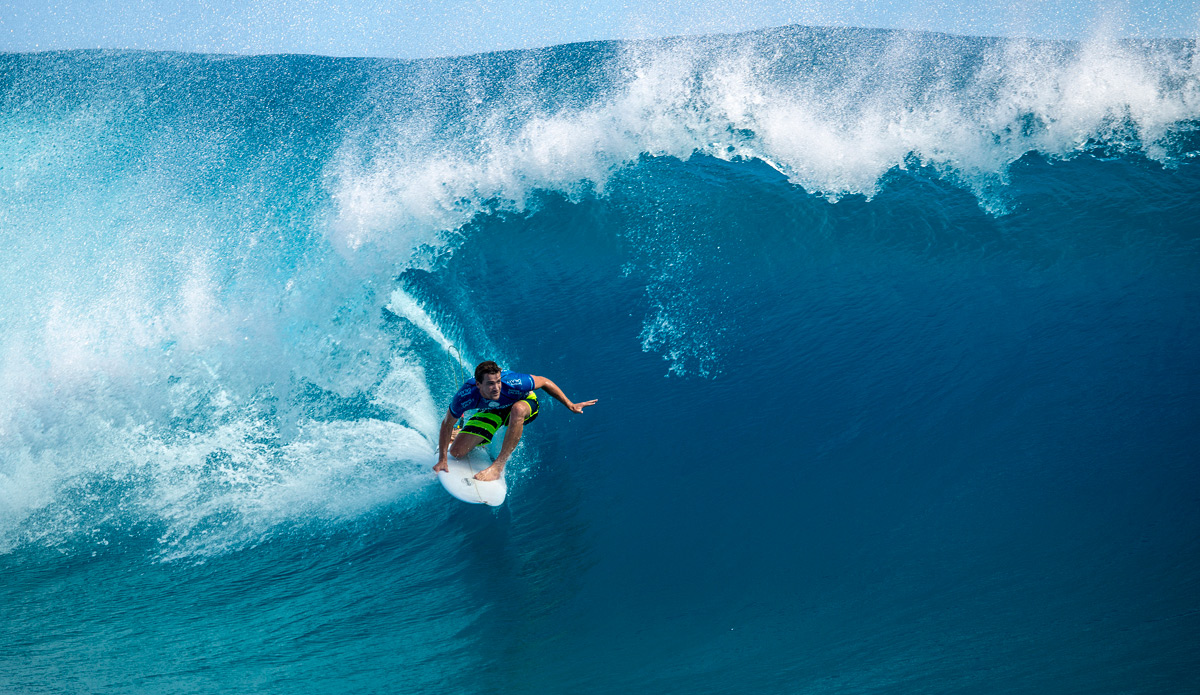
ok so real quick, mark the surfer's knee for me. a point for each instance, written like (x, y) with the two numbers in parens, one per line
(459, 447)
(520, 409)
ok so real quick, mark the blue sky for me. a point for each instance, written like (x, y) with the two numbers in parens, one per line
(422, 28)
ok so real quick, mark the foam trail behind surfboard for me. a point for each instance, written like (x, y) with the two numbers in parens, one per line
(402, 304)
(399, 386)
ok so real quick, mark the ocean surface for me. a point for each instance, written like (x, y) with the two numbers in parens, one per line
(895, 336)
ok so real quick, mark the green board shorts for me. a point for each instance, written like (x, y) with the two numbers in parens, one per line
(484, 423)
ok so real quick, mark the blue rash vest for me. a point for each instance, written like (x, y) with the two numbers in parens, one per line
(514, 386)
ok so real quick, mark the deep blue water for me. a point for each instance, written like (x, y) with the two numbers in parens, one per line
(895, 339)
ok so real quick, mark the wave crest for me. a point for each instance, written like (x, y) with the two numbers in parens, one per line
(834, 111)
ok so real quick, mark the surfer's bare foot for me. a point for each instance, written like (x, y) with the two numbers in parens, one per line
(442, 466)
(492, 472)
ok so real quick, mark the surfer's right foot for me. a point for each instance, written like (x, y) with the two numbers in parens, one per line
(492, 472)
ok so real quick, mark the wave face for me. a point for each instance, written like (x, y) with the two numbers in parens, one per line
(894, 337)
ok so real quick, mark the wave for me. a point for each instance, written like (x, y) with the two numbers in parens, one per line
(220, 319)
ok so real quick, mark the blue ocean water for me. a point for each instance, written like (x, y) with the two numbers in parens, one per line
(894, 336)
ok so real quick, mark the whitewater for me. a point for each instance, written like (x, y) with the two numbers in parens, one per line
(894, 336)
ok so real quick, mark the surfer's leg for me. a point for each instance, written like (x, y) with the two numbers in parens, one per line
(512, 435)
(463, 443)
(479, 430)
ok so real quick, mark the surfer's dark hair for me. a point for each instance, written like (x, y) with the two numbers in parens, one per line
(486, 368)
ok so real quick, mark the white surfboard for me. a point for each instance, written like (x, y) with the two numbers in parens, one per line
(460, 479)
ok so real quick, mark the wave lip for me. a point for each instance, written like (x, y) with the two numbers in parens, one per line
(834, 110)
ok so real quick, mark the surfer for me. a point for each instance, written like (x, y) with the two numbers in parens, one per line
(505, 398)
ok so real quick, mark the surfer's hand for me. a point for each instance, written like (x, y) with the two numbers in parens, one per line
(441, 465)
(578, 407)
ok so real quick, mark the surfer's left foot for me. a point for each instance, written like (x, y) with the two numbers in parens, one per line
(492, 472)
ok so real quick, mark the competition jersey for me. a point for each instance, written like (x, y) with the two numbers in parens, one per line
(514, 386)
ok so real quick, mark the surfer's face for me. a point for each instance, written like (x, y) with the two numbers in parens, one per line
(489, 388)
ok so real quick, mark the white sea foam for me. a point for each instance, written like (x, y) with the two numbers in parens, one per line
(168, 366)
(835, 131)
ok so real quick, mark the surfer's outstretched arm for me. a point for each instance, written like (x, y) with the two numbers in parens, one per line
(541, 382)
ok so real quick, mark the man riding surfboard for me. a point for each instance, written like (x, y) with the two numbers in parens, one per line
(502, 398)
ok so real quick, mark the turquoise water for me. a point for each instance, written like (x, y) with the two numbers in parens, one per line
(894, 337)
